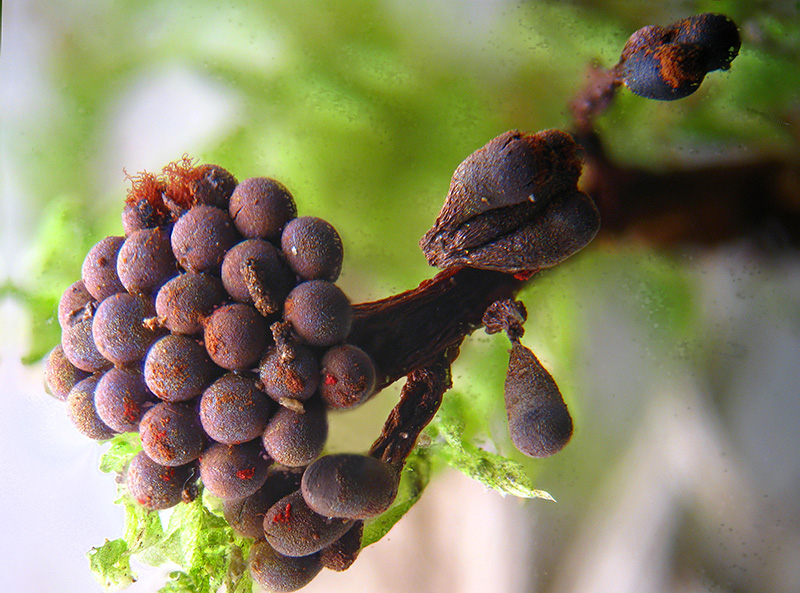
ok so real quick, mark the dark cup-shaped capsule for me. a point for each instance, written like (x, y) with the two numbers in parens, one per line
(171, 434)
(319, 312)
(144, 206)
(293, 529)
(666, 73)
(668, 63)
(60, 375)
(236, 336)
(349, 486)
(716, 33)
(157, 486)
(279, 573)
(260, 207)
(99, 270)
(341, 554)
(348, 376)
(119, 329)
(234, 471)
(233, 410)
(82, 412)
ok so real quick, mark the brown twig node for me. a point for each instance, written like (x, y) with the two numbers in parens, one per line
(595, 97)
(508, 316)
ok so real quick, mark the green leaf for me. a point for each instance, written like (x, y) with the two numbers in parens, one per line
(124, 447)
(237, 579)
(413, 480)
(492, 470)
(179, 582)
(201, 543)
(110, 564)
(143, 533)
(204, 545)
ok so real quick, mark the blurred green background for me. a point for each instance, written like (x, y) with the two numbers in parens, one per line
(364, 109)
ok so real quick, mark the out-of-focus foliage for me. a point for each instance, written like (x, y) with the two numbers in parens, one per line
(362, 108)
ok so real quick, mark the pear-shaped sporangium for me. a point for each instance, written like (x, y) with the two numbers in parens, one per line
(538, 419)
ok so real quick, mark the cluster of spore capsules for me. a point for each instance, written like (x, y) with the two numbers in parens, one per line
(214, 328)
